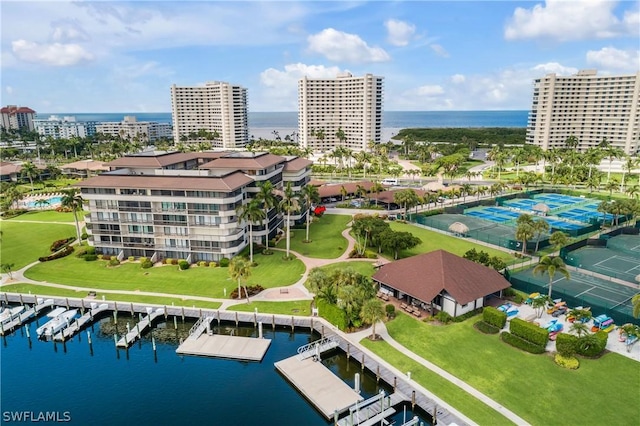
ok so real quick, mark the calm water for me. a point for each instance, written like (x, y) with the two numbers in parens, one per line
(98, 384)
(390, 119)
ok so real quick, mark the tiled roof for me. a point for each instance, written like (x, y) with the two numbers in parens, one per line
(86, 165)
(15, 110)
(296, 164)
(334, 190)
(162, 160)
(426, 275)
(229, 182)
(244, 163)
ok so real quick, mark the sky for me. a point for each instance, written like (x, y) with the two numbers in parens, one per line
(104, 56)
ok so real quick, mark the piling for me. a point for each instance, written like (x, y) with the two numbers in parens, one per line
(115, 340)
(348, 351)
(175, 323)
(82, 305)
(183, 314)
(273, 322)
(26, 329)
(165, 313)
(132, 312)
(89, 337)
(322, 331)
(260, 330)
(200, 315)
(153, 343)
(236, 318)
(413, 399)
(22, 302)
(356, 386)
(362, 364)
(255, 318)
(377, 373)
(66, 299)
(292, 324)
(218, 315)
(395, 383)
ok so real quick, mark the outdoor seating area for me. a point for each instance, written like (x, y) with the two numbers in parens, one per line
(411, 309)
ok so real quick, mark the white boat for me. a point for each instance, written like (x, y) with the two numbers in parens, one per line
(58, 323)
(55, 312)
(10, 313)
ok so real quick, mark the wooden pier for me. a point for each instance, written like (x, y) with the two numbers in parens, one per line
(22, 317)
(135, 333)
(373, 410)
(228, 347)
(77, 325)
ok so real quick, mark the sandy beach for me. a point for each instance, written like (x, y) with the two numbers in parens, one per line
(265, 133)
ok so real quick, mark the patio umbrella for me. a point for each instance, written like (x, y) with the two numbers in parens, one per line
(458, 228)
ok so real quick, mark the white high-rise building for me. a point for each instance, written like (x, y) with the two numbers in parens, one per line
(64, 128)
(345, 106)
(587, 106)
(131, 128)
(217, 108)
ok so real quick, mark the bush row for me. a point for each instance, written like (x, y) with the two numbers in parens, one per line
(494, 317)
(530, 332)
(486, 328)
(566, 344)
(332, 313)
(62, 253)
(82, 251)
(592, 345)
(468, 315)
(58, 244)
(252, 290)
(520, 343)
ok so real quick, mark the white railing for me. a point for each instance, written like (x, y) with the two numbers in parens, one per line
(317, 347)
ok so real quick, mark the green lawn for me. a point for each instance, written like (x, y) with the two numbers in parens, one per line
(467, 404)
(326, 238)
(364, 268)
(47, 216)
(297, 307)
(432, 240)
(271, 271)
(41, 290)
(532, 386)
(24, 243)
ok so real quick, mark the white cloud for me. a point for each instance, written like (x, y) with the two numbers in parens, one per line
(339, 46)
(458, 78)
(614, 59)
(555, 68)
(570, 20)
(9, 90)
(430, 90)
(399, 33)
(68, 30)
(440, 51)
(55, 54)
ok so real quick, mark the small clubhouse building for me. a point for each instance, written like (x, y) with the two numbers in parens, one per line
(442, 280)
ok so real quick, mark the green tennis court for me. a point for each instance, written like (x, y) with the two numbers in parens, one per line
(605, 261)
(629, 244)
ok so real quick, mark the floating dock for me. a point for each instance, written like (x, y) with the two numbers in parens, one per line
(373, 410)
(326, 391)
(77, 325)
(22, 317)
(223, 346)
(135, 333)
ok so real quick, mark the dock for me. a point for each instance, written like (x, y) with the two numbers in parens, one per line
(326, 391)
(22, 317)
(135, 333)
(77, 325)
(373, 410)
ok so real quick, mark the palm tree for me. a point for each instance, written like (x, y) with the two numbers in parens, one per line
(42, 202)
(251, 212)
(372, 311)
(636, 305)
(268, 200)
(240, 270)
(72, 199)
(524, 230)
(340, 135)
(559, 239)
(629, 164)
(290, 203)
(579, 328)
(550, 265)
(538, 304)
(540, 227)
(611, 153)
(30, 170)
(310, 195)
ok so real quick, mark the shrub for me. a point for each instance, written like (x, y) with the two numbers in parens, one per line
(569, 362)
(443, 317)
(566, 344)
(146, 264)
(84, 236)
(142, 259)
(167, 261)
(224, 262)
(91, 250)
(466, 316)
(494, 317)
(174, 261)
(81, 251)
(486, 328)
(390, 310)
(101, 256)
(58, 244)
(530, 332)
(202, 263)
(520, 343)
(183, 265)
(212, 264)
(106, 257)
(592, 345)
(62, 253)
(114, 262)
(90, 257)
(332, 313)
(518, 298)
(252, 290)
(131, 258)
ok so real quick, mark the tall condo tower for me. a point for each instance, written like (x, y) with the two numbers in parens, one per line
(587, 106)
(342, 111)
(217, 108)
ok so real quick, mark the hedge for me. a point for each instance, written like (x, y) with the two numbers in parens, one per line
(183, 265)
(90, 257)
(332, 313)
(62, 253)
(566, 344)
(146, 264)
(468, 315)
(486, 328)
(567, 362)
(58, 244)
(224, 262)
(594, 349)
(520, 343)
(494, 317)
(530, 332)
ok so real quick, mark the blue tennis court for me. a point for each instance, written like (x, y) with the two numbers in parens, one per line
(560, 199)
(487, 216)
(528, 203)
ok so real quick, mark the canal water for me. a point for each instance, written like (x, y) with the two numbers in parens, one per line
(98, 384)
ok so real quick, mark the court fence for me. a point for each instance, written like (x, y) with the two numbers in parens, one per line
(621, 312)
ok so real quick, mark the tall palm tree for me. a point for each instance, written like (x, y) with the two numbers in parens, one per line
(72, 199)
(540, 227)
(251, 212)
(372, 311)
(636, 305)
(240, 270)
(524, 230)
(630, 163)
(310, 195)
(30, 170)
(611, 153)
(267, 198)
(579, 328)
(340, 135)
(550, 265)
(290, 203)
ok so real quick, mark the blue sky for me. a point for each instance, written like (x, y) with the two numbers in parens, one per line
(103, 56)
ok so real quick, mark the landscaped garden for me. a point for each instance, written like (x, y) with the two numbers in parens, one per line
(46, 216)
(24, 243)
(326, 237)
(532, 386)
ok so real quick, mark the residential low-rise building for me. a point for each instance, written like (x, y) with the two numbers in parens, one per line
(132, 129)
(184, 205)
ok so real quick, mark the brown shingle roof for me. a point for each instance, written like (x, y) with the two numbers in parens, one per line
(162, 160)
(297, 164)
(229, 182)
(426, 275)
(388, 196)
(334, 189)
(86, 165)
(244, 163)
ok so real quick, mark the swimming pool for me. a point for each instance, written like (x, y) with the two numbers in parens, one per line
(51, 201)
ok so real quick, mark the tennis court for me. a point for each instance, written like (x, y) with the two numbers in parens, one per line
(601, 295)
(528, 203)
(629, 244)
(479, 228)
(605, 261)
(560, 199)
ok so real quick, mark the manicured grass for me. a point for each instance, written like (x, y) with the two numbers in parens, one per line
(41, 290)
(467, 404)
(48, 216)
(271, 271)
(24, 243)
(432, 240)
(532, 386)
(364, 268)
(326, 237)
(297, 307)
